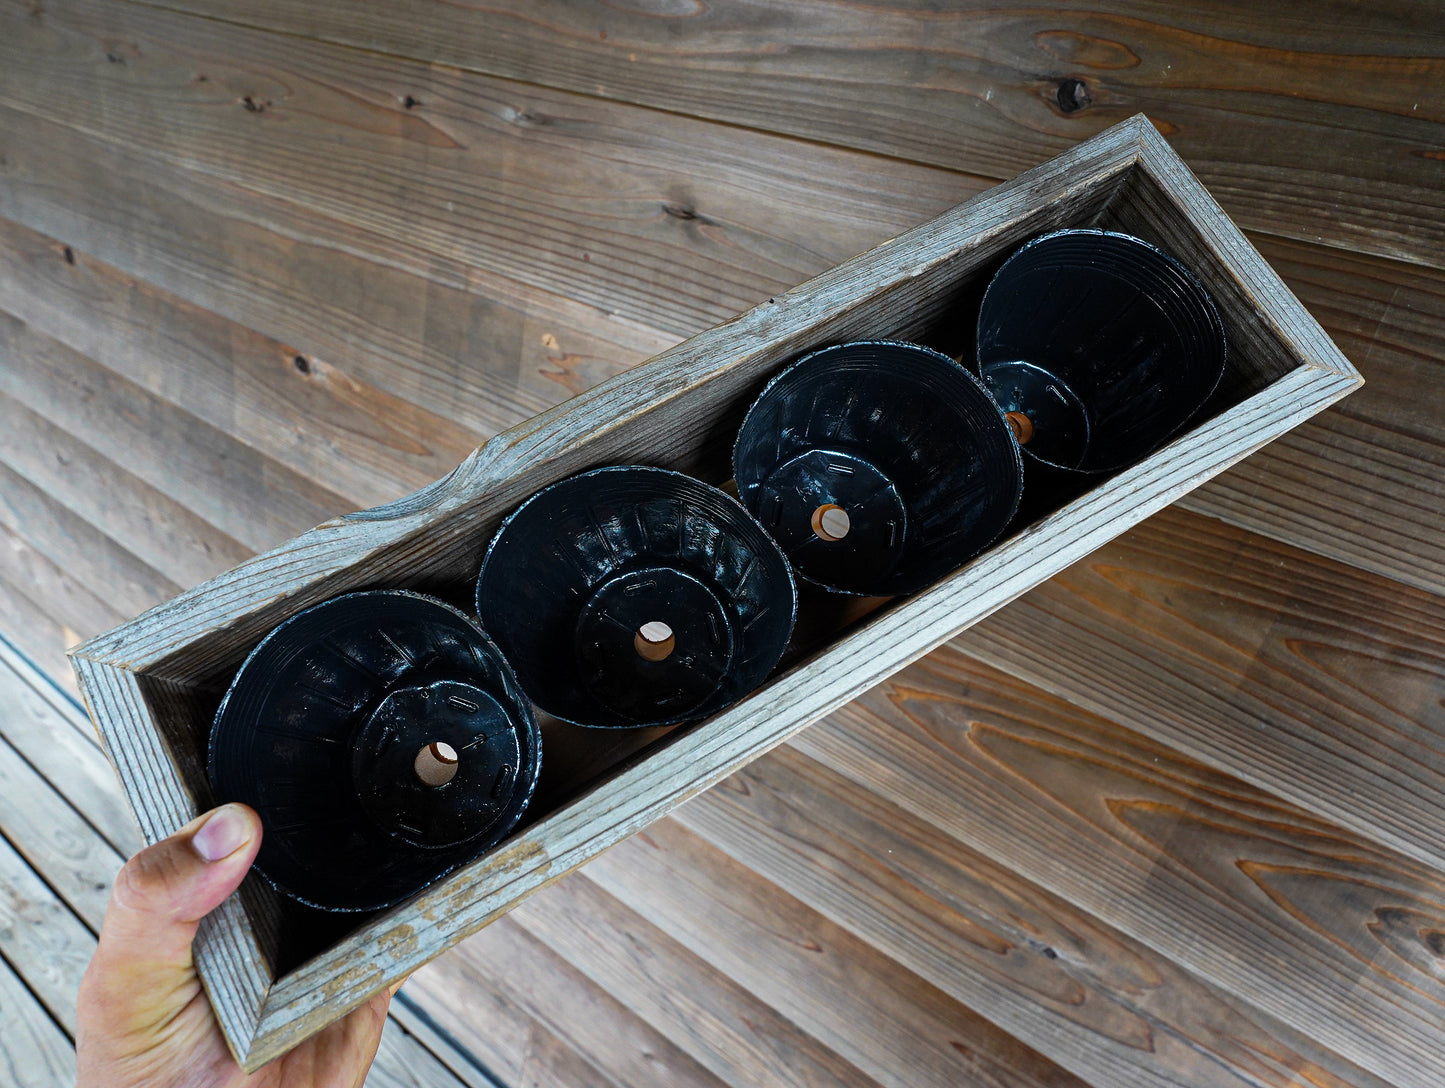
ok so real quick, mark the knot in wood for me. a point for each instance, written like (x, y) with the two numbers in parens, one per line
(1073, 95)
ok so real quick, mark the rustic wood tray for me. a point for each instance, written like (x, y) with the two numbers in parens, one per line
(276, 975)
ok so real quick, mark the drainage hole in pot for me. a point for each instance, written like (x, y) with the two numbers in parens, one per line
(654, 641)
(436, 763)
(830, 522)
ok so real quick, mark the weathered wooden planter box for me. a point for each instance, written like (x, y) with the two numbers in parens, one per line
(153, 684)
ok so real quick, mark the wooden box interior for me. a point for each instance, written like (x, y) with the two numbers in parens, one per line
(939, 310)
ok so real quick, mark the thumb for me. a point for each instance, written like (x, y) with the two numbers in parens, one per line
(161, 894)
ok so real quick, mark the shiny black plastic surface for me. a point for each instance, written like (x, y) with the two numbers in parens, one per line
(1105, 342)
(572, 577)
(321, 729)
(901, 438)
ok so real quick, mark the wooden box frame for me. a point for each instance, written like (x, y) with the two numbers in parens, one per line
(152, 684)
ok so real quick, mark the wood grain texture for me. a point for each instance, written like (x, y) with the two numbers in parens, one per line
(1308, 120)
(1103, 1005)
(60, 492)
(1326, 515)
(53, 735)
(482, 350)
(34, 630)
(40, 938)
(1309, 679)
(726, 1028)
(36, 1053)
(46, 537)
(1363, 484)
(520, 1004)
(402, 1061)
(54, 839)
(75, 607)
(335, 137)
(905, 284)
(886, 1021)
(460, 1062)
(507, 1031)
(499, 1030)
(250, 498)
(1323, 930)
(303, 412)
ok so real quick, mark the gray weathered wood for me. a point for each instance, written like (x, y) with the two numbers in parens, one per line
(58, 844)
(54, 736)
(41, 938)
(734, 1033)
(148, 682)
(36, 1053)
(504, 990)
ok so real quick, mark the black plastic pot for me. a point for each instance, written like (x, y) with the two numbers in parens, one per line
(879, 466)
(635, 596)
(1102, 346)
(384, 742)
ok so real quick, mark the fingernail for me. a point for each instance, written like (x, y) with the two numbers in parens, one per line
(227, 830)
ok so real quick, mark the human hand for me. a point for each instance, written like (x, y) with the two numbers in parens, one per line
(143, 1020)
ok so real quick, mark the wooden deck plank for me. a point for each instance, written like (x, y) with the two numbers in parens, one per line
(596, 232)
(67, 853)
(254, 500)
(34, 1052)
(498, 1028)
(873, 1012)
(306, 413)
(1307, 678)
(402, 1061)
(1288, 113)
(1315, 926)
(55, 737)
(24, 565)
(1365, 482)
(478, 348)
(464, 1065)
(106, 510)
(35, 631)
(726, 1029)
(41, 938)
(1103, 1005)
(523, 1008)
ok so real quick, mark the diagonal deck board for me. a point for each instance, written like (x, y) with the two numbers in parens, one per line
(726, 1027)
(253, 500)
(1289, 112)
(36, 1053)
(1083, 993)
(523, 1008)
(1308, 922)
(1311, 680)
(343, 433)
